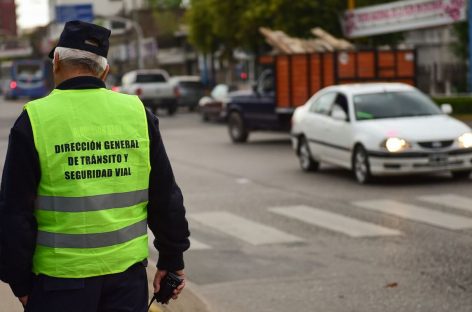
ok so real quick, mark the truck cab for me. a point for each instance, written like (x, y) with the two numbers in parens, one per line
(255, 109)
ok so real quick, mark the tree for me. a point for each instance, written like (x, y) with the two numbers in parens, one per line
(235, 23)
(166, 4)
(201, 34)
(461, 47)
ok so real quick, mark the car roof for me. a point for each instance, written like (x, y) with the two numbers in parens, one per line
(376, 87)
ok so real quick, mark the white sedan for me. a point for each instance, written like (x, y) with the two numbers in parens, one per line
(378, 129)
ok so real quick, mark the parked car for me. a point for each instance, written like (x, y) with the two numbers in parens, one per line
(212, 107)
(153, 88)
(188, 90)
(378, 129)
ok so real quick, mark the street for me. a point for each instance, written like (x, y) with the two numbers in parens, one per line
(268, 237)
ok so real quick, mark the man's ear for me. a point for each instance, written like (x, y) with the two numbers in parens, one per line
(105, 73)
(56, 63)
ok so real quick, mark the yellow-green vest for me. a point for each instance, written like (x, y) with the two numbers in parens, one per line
(93, 148)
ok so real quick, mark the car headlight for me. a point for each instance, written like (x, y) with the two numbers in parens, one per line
(465, 140)
(394, 144)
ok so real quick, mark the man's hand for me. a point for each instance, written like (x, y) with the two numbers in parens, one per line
(160, 274)
(23, 300)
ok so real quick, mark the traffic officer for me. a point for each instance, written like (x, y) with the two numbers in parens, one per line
(85, 173)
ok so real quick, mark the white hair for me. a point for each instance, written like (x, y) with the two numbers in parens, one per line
(95, 63)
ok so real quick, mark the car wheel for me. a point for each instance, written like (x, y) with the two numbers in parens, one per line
(360, 165)
(304, 156)
(171, 109)
(237, 129)
(461, 175)
(205, 117)
(155, 110)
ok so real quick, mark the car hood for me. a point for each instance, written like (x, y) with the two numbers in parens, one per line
(240, 94)
(423, 128)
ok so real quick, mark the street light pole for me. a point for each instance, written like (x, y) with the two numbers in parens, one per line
(139, 35)
(469, 21)
(351, 4)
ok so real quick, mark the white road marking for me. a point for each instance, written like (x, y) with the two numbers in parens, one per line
(194, 244)
(249, 231)
(243, 181)
(334, 222)
(197, 245)
(415, 213)
(449, 200)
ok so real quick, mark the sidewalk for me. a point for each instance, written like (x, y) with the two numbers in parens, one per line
(8, 302)
(188, 301)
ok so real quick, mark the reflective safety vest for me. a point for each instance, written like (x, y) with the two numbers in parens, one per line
(93, 148)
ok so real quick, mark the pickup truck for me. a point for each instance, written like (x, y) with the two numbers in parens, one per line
(288, 81)
(153, 88)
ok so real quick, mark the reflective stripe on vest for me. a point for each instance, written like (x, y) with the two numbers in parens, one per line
(91, 203)
(91, 209)
(56, 240)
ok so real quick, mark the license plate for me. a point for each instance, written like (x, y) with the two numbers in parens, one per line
(438, 159)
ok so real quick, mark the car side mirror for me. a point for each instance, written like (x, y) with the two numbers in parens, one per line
(446, 109)
(339, 114)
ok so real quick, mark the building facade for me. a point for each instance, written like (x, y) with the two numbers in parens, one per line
(8, 27)
(102, 7)
(440, 71)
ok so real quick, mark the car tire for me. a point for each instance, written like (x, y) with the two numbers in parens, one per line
(307, 163)
(361, 166)
(171, 109)
(461, 175)
(236, 128)
(205, 117)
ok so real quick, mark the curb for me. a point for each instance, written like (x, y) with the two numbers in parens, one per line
(189, 300)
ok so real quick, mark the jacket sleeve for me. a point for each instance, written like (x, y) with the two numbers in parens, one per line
(18, 226)
(166, 211)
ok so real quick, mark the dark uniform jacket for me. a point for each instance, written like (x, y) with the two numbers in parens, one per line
(20, 180)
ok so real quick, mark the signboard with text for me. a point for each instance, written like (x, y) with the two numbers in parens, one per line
(401, 16)
(82, 12)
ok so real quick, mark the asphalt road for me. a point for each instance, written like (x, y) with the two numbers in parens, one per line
(268, 237)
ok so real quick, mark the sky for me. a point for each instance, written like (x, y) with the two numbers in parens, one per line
(32, 13)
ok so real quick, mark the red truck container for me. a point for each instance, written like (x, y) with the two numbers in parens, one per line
(299, 76)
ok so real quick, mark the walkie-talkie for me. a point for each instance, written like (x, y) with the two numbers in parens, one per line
(166, 290)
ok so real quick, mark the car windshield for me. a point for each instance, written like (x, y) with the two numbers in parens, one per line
(393, 105)
(148, 78)
(29, 72)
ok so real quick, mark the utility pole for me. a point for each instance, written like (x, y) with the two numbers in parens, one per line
(351, 4)
(139, 36)
(469, 21)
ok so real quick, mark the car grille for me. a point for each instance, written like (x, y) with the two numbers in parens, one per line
(436, 144)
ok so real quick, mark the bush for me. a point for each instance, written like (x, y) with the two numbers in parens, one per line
(460, 105)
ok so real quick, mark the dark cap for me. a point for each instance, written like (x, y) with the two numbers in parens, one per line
(84, 36)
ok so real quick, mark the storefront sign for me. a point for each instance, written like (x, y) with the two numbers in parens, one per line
(401, 16)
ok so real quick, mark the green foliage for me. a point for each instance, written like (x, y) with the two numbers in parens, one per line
(460, 105)
(236, 23)
(200, 18)
(461, 48)
(167, 22)
(166, 4)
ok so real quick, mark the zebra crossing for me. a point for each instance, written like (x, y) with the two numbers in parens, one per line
(256, 233)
